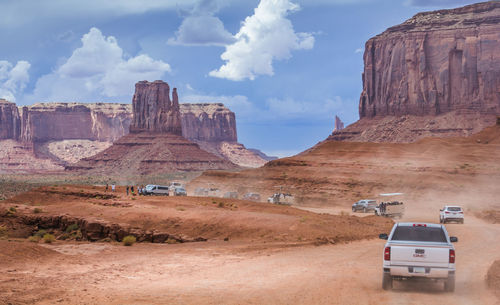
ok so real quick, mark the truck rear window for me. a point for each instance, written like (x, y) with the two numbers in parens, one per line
(419, 234)
(454, 209)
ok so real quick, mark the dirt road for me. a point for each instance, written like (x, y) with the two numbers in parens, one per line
(240, 273)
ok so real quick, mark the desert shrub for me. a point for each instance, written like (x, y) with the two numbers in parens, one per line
(72, 227)
(34, 238)
(3, 231)
(63, 236)
(40, 233)
(180, 209)
(133, 198)
(171, 241)
(37, 210)
(129, 240)
(48, 238)
(221, 204)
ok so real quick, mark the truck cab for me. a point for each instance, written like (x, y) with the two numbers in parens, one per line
(418, 250)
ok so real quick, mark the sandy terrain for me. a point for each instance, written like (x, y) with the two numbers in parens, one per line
(235, 273)
(318, 254)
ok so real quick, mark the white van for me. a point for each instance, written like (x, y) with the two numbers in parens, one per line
(152, 189)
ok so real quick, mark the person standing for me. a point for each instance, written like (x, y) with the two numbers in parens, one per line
(113, 187)
(127, 190)
(132, 189)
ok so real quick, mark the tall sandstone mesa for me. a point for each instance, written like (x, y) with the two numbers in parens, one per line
(436, 74)
(434, 63)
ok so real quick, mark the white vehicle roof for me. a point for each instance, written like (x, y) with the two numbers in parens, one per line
(419, 224)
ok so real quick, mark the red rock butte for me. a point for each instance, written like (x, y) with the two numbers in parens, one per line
(436, 74)
(155, 143)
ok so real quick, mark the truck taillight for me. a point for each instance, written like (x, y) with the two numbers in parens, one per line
(387, 253)
(452, 256)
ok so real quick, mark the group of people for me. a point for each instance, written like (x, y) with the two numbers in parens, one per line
(113, 187)
(129, 189)
(383, 205)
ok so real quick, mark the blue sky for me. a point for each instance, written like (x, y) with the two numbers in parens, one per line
(285, 67)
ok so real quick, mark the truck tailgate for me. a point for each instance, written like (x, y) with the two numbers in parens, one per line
(415, 255)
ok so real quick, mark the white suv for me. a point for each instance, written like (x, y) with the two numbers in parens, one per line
(451, 213)
(364, 205)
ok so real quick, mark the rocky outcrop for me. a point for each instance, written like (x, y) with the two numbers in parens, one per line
(10, 124)
(439, 70)
(339, 125)
(208, 122)
(153, 110)
(435, 62)
(66, 121)
(155, 143)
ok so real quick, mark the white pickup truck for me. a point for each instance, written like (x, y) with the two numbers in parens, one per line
(419, 250)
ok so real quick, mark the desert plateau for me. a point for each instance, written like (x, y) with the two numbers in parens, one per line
(127, 175)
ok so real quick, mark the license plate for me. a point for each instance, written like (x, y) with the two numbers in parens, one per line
(418, 270)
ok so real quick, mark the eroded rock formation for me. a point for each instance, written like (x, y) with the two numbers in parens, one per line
(208, 122)
(434, 63)
(339, 125)
(155, 143)
(153, 110)
(9, 120)
(442, 67)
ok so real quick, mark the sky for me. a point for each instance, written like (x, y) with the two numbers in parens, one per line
(285, 67)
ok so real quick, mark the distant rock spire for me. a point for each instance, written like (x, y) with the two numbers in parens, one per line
(339, 125)
(153, 110)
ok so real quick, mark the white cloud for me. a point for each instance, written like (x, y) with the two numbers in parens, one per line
(201, 27)
(96, 70)
(359, 50)
(265, 36)
(13, 79)
(15, 13)
(202, 31)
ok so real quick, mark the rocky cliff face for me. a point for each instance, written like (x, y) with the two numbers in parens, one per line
(208, 122)
(436, 74)
(434, 63)
(63, 121)
(153, 110)
(10, 123)
(68, 132)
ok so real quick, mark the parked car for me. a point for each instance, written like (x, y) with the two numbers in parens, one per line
(418, 250)
(364, 205)
(233, 195)
(201, 191)
(152, 189)
(251, 196)
(175, 184)
(451, 213)
(281, 198)
(180, 191)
